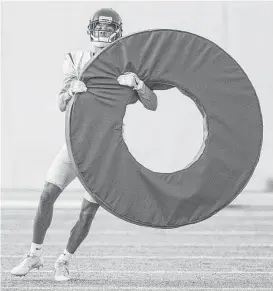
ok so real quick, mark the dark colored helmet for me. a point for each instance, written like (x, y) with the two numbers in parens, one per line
(104, 16)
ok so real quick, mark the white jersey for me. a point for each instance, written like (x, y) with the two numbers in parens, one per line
(74, 63)
(73, 66)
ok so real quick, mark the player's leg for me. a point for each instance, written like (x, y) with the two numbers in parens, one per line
(81, 229)
(77, 235)
(34, 258)
(44, 214)
(59, 176)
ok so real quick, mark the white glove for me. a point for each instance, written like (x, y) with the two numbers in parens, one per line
(131, 80)
(76, 86)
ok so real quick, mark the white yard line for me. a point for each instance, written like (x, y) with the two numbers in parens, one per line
(155, 245)
(97, 288)
(152, 232)
(152, 272)
(77, 203)
(157, 257)
(33, 204)
(118, 223)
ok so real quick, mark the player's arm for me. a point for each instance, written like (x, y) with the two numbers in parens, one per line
(71, 84)
(65, 95)
(147, 97)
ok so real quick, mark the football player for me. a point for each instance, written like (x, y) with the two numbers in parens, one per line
(104, 27)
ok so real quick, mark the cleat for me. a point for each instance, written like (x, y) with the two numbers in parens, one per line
(27, 263)
(61, 270)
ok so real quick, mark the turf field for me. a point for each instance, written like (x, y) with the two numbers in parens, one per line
(233, 250)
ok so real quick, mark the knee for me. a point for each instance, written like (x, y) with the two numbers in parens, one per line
(50, 193)
(88, 213)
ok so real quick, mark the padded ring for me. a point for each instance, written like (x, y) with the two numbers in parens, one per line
(222, 91)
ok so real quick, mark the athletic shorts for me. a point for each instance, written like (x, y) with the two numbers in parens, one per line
(61, 172)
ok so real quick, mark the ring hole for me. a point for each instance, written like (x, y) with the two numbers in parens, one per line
(168, 139)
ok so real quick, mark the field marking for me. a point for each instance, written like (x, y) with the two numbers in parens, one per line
(245, 214)
(139, 245)
(121, 223)
(76, 204)
(33, 204)
(153, 272)
(155, 257)
(137, 288)
(150, 232)
(220, 215)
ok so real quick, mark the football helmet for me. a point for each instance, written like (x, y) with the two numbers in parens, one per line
(104, 27)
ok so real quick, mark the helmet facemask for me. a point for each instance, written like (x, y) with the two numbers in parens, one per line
(104, 31)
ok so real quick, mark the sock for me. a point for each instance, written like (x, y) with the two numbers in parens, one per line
(36, 249)
(65, 256)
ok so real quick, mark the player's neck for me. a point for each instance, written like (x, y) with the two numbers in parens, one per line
(96, 50)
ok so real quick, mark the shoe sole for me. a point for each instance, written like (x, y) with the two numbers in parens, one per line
(21, 275)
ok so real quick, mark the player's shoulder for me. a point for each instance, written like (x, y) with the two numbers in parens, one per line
(75, 60)
(76, 55)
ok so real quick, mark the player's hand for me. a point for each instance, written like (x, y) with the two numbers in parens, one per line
(131, 80)
(77, 86)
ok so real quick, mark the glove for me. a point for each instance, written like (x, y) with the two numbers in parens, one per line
(76, 86)
(131, 80)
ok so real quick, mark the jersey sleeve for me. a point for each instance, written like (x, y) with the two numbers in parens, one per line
(69, 72)
(69, 75)
(147, 97)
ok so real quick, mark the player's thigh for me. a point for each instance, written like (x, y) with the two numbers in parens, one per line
(61, 172)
